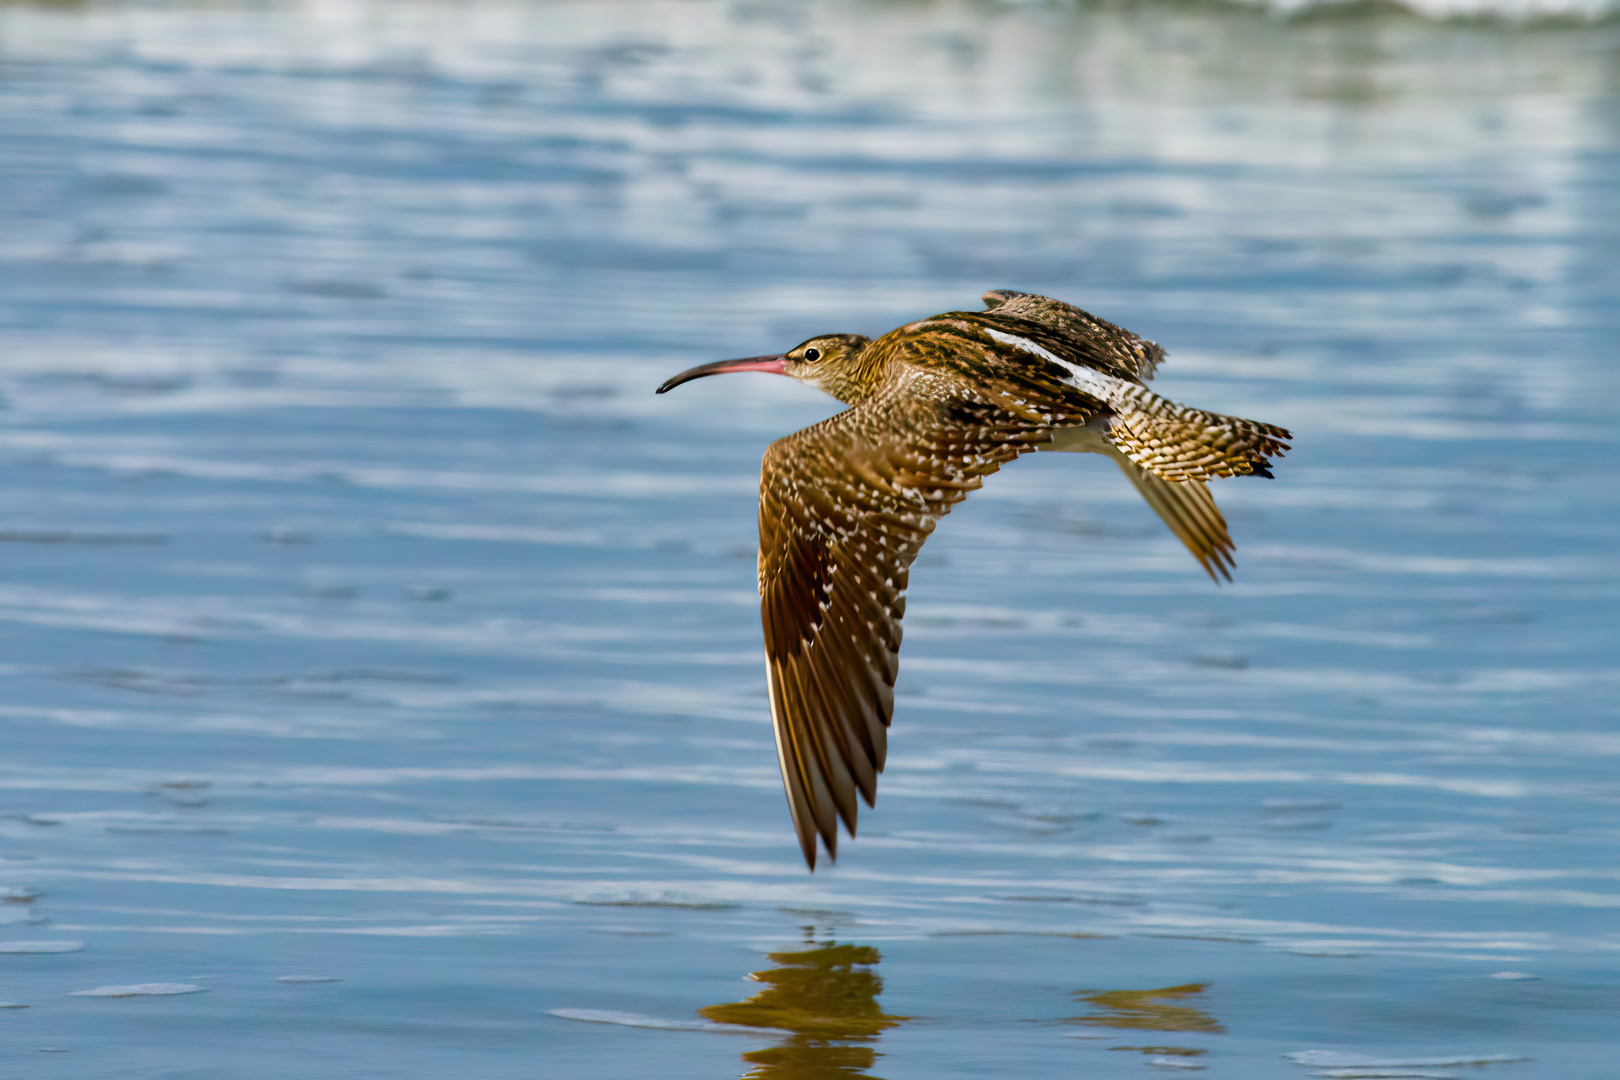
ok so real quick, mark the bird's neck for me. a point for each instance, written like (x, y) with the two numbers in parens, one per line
(858, 379)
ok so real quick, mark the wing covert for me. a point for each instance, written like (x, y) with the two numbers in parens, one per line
(1110, 348)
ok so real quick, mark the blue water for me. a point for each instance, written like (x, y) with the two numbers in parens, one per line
(365, 617)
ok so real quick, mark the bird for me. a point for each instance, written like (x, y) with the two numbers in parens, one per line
(934, 407)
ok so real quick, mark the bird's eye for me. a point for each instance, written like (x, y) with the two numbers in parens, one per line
(812, 354)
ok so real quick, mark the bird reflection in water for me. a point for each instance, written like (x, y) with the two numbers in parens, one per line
(1173, 1008)
(825, 996)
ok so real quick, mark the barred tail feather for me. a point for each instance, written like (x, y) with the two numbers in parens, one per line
(1178, 443)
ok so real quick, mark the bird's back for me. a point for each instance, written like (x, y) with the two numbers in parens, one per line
(1064, 371)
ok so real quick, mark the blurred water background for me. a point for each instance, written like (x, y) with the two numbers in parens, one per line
(381, 657)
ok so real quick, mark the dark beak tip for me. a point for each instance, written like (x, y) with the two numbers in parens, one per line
(747, 363)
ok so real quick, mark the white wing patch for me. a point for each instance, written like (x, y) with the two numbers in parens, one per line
(1091, 381)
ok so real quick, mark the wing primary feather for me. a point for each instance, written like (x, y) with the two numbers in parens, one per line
(805, 740)
(792, 774)
(835, 753)
(838, 669)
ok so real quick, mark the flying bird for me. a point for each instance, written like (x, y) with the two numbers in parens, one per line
(935, 407)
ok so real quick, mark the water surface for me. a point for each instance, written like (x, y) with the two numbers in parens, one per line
(382, 657)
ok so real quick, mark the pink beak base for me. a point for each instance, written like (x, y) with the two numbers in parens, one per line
(776, 365)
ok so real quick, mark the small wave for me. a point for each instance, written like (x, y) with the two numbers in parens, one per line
(668, 900)
(1386, 1074)
(1346, 1060)
(40, 946)
(48, 536)
(626, 1019)
(141, 990)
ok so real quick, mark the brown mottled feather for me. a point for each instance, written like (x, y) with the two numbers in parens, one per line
(1190, 511)
(846, 505)
(1174, 441)
(1110, 348)
(1180, 443)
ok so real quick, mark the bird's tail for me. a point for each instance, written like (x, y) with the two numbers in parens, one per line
(1177, 443)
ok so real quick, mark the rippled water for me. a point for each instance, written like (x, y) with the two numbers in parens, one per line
(383, 693)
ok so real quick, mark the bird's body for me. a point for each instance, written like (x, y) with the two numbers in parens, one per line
(935, 407)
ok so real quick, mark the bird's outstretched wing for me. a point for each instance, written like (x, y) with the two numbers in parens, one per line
(844, 508)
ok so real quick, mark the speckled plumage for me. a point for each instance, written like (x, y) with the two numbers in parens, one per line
(936, 406)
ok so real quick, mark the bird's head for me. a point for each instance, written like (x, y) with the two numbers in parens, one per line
(830, 362)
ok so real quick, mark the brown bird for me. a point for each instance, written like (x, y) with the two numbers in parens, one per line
(936, 406)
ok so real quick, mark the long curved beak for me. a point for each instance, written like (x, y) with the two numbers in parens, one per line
(776, 365)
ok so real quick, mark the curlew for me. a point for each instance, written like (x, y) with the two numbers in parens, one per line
(934, 407)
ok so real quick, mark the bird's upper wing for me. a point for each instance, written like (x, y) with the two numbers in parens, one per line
(1175, 442)
(844, 508)
(1108, 348)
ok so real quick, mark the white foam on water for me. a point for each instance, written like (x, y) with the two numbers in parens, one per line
(1175, 1063)
(625, 1019)
(141, 990)
(1515, 976)
(40, 946)
(1386, 1074)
